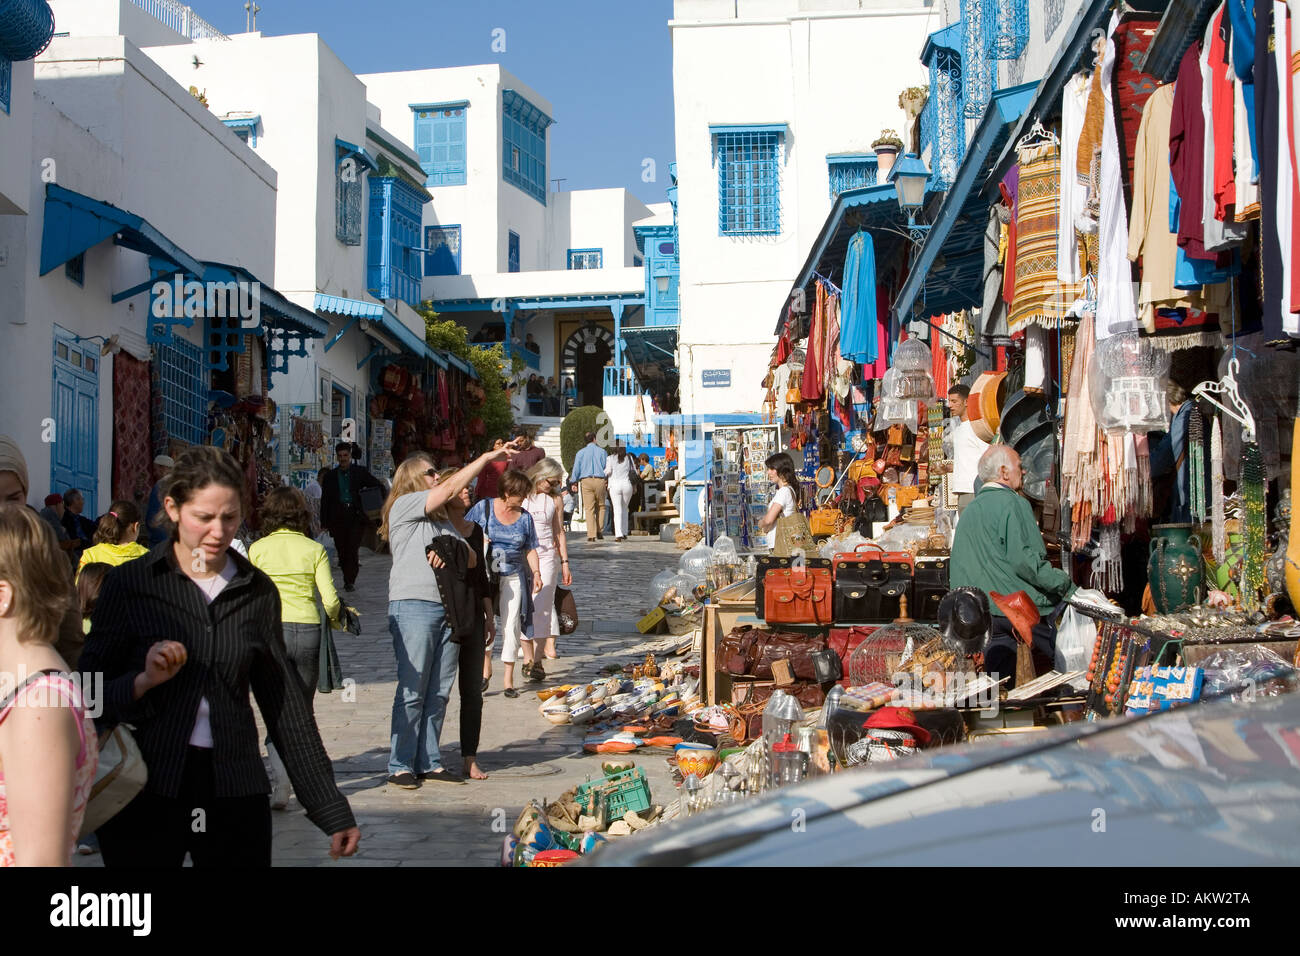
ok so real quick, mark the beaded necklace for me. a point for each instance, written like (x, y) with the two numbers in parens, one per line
(1254, 526)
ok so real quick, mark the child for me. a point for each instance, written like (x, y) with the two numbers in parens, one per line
(115, 536)
(88, 584)
(570, 502)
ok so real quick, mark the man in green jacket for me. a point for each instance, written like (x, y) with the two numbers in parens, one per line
(998, 547)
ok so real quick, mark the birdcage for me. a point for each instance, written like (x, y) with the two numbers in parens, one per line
(888, 652)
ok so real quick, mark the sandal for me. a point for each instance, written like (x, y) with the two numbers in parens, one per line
(510, 692)
(486, 681)
(535, 674)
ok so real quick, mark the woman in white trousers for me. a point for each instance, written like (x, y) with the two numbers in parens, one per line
(547, 510)
(619, 468)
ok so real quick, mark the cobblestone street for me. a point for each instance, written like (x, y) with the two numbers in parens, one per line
(523, 755)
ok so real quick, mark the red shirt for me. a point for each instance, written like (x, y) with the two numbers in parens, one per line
(526, 459)
(489, 479)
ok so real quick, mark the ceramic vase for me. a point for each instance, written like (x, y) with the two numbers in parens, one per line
(1174, 567)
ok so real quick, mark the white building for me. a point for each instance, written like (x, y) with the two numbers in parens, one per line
(773, 98)
(125, 178)
(505, 255)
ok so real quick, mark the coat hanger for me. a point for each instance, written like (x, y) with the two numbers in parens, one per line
(1236, 409)
(1036, 136)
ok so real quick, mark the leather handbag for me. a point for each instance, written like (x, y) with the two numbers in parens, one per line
(766, 562)
(750, 651)
(929, 585)
(824, 522)
(870, 587)
(566, 610)
(827, 666)
(797, 596)
(793, 534)
(808, 693)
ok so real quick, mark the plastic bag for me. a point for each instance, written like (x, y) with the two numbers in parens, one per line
(695, 563)
(1247, 671)
(1075, 637)
(660, 583)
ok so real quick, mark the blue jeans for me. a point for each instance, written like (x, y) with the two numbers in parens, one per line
(426, 669)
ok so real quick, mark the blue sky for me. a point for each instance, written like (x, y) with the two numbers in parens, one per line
(605, 65)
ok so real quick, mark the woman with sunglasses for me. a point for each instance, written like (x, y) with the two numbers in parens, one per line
(427, 658)
(546, 506)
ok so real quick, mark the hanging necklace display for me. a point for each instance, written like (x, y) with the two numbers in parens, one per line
(1254, 526)
(1108, 567)
(1220, 540)
(1196, 465)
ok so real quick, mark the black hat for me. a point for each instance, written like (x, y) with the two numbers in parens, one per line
(964, 620)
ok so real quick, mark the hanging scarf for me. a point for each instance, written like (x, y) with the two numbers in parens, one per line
(1079, 457)
(812, 384)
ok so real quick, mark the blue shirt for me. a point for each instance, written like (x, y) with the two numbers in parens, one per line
(510, 542)
(589, 463)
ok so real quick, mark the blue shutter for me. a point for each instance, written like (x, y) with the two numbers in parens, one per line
(74, 453)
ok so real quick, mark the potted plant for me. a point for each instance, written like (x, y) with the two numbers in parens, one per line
(887, 148)
(912, 100)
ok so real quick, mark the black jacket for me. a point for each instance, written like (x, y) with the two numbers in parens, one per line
(456, 585)
(333, 513)
(234, 644)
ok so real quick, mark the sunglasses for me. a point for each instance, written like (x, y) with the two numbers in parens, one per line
(431, 472)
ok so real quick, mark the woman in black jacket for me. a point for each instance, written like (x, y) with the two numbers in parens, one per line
(180, 635)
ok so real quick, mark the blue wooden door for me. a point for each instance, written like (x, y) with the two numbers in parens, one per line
(74, 452)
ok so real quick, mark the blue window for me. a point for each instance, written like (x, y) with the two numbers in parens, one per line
(748, 159)
(347, 197)
(523, 144)
(245, 127)
(184, 393)
(584, 258)
(393, 267)
(75, 269)
(442, 250)
(512, 254)
(440, 143)
(6, 80)
(850, 172)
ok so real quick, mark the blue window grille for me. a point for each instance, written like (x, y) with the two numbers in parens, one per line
(440, 143)
(442, 250)
(523, 144)
(393, 266)
(75, 269)
(347, 198)
(979, 67)
(943, 133)
(1011, 30)
(6, 81)
(184, 391)
(584, 258)
(850, 172)
(749, 181)
(512, 253)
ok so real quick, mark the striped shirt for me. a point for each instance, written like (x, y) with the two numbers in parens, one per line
(233, 644)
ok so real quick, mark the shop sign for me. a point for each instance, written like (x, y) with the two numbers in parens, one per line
(717, 378)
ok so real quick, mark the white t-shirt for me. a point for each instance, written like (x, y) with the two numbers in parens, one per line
(785, 498)
(201, 735)
(967, 447)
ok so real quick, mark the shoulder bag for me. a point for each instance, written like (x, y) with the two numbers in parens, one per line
(793, 533)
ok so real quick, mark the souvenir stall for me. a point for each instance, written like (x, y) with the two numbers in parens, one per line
(302, 444)
(419, 406)
(739, 492)
(243, 418)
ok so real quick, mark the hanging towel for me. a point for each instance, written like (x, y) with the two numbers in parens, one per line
(858, 340)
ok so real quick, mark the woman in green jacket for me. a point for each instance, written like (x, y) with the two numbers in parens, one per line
(300, 569)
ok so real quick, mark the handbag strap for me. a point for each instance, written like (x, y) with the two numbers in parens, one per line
(31, 679)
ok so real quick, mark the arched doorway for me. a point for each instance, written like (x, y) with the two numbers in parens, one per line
(584, 357)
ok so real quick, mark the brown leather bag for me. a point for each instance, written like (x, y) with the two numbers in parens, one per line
(749, 652)
(797, 596)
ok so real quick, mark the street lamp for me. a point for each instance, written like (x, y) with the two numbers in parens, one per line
(910, 178)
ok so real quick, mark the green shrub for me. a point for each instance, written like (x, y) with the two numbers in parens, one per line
(574, 428)
(489, 363)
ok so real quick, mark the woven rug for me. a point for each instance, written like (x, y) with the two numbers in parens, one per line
(132, 453)
(1132, 90)
(1039, 297)
(1185, 328)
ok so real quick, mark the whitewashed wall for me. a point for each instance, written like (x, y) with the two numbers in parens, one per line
(110, 18)
(120, 132)
(832, 73)
(16, 144)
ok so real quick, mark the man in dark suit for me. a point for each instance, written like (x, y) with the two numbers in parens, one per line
(340, 509)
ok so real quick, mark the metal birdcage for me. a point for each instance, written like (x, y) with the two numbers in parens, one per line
(888, 652)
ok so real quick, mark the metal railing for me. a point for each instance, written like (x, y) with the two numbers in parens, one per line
(619, 380)
(181, 18)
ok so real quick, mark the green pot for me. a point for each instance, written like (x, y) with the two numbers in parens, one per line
(1174, 567)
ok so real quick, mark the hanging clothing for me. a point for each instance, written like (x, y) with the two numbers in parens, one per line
(1218, 235)
(1293, 81)
(1223, 121)
(1116, 305)
(858, 340)
(1273, 147)
(1131, 88)
(1193, 274)
(1040, 299)
(810, 382)
(1187, 152)
(1074, 190)
(1241, 17)
(993, 313)
(1010, 189)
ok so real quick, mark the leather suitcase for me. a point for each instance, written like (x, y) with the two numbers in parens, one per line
(929, 586)
(870, 590)
(767, 562)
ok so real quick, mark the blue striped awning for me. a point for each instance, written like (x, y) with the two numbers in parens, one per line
(349, 307)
